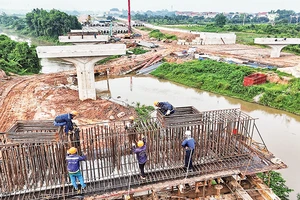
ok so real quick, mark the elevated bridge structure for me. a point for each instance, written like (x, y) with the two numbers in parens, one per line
(84, 58)
(84, 39)
(103, 30)
(32, 167)
(277, 44)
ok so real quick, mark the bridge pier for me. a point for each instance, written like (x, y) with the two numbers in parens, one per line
(85, 76)
(276, 49)
(84, 58)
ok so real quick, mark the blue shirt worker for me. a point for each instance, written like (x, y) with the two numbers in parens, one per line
(73, 160)
(65, 120)
(189, 145)
(141, 155)
(165, 107)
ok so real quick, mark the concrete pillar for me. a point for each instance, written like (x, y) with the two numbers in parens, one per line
(85, 76)
(276, 49)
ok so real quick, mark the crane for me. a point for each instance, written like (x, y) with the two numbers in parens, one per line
(128, 35)
(129, 18)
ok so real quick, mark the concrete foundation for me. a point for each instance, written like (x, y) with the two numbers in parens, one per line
(84, 58)
(211, 38)
(216, 38)
(277, 44)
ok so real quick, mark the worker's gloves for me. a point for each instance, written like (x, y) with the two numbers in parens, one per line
(70, 132)
(133, 144)
(168, 112)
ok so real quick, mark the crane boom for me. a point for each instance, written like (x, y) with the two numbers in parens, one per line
(129, 18)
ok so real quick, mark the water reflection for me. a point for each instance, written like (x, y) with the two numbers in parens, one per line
(55, 65)
(279, 129)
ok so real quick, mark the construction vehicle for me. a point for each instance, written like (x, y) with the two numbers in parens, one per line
(114, 39)
(128, 36)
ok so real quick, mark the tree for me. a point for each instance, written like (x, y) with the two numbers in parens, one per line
(220, 20)
(277, 183)
(18, 57)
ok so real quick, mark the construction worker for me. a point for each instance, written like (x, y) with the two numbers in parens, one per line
(65, 120)
(141, 155)
(189, 145)
(130, 129)
(73, 160)
(165, 107)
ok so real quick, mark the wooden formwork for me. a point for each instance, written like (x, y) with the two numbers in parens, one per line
(33, 131)
(182, 116)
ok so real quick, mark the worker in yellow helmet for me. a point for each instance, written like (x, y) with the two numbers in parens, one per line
(165, 107)
(66, 120)
(141, 155)
(130, 130)
(73, 160)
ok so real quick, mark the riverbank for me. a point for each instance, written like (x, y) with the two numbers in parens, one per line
(20, 37)
(227, 79)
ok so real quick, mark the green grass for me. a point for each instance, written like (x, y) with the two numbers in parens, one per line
(138, 50)
(144, 28)
(105, 60)
(227, 79)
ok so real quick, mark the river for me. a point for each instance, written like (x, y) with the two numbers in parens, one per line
(279, 129)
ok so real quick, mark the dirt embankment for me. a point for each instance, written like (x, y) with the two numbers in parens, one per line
(42, 97)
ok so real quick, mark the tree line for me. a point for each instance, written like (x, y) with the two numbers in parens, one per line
(21, 58)
(18, 57)
(170, 18)
(41, 23)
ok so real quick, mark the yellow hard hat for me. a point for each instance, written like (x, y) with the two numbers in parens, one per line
(72, 150)
(156, 103)
(131, 118)
(74, 113)
(140, 143)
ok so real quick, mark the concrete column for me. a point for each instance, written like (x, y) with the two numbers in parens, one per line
(276, 49)
(85, 76)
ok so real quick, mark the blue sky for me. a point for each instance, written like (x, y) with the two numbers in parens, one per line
(144, 5)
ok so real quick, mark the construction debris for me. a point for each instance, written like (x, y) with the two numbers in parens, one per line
(147, 44)
(145, 63)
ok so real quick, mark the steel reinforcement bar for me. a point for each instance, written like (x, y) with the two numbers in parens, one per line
(37, 170)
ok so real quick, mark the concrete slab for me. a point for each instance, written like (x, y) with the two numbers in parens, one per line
(277, 44)
(275, 41)
(81, 51)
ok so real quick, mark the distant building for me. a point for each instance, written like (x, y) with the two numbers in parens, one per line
(272, 16)
(210, 14)
(188, 13)
(262, 14)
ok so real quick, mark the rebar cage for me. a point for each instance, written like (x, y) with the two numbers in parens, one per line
(36, 169)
